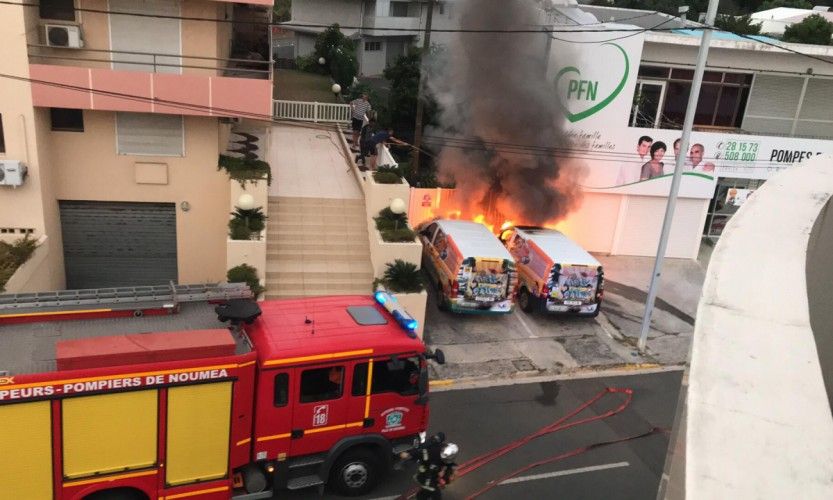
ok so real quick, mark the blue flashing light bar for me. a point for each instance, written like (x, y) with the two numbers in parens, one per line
(391, 305)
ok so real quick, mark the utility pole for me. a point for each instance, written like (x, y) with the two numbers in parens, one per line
(711, 13)
(426, 46)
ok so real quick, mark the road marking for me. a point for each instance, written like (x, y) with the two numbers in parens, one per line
(568, 472)
(526, 327)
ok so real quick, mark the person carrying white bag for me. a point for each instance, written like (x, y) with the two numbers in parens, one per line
(382, 156)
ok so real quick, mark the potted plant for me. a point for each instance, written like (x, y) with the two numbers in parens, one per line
(402, 277)
(245, 273)
(388, 175)
(247, 224)
(244, 169)
(393, 227)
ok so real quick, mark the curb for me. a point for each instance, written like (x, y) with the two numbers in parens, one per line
(577, 374)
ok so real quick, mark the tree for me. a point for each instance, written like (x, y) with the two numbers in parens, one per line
(796, 4)
(404, 83)
(282, 10)
(813, 29)
(742, 25)
(340, 55)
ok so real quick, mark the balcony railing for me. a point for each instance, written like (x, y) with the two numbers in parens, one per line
(151, 62)
(311, 111)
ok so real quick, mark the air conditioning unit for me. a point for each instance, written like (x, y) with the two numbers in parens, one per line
(65, 36)
(12, 173)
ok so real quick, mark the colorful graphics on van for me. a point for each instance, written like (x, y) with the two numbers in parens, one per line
(485, 285)
(576, 286)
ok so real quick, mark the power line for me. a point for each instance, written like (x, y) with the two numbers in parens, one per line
(458, 143)
(634, 31)
(316, 25)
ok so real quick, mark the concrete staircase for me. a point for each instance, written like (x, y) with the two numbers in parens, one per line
(317, 246)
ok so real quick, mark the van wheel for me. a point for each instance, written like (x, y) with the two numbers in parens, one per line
(356, 472)
(525, 300)
(442, 305)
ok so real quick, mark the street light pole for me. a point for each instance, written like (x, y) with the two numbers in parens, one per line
(711, 13)
(426, 46)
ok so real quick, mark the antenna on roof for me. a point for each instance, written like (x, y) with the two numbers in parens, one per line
(307, 320)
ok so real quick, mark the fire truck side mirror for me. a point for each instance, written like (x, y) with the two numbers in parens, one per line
(438, 355)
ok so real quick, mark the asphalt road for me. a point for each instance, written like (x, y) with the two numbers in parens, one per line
(479, 420)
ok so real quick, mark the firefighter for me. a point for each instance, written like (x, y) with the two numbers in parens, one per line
(435, 466)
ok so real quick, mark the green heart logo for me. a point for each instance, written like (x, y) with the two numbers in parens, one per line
(574, 117)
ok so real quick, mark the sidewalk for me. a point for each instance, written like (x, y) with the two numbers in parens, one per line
(523, 345)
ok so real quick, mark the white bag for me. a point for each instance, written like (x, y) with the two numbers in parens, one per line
(384, 158)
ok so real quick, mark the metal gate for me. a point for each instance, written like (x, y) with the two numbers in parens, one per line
(110, 244)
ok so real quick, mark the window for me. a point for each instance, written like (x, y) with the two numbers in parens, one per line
(372, 46)
(661, 98)
(2, 137)
(281, 390)
(63, 10)
(402, 379)
(399, 9)
(67, 120)
(321, 384)
(149, 134)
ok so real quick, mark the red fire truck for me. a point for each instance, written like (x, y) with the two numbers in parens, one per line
(293, 394)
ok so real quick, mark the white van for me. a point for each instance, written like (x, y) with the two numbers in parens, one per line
(472, 270)
(556, 274)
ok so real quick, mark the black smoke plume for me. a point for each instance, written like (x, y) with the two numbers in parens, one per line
(493, 94)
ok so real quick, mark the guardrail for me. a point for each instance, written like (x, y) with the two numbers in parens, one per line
(311, 111)
(155, 62)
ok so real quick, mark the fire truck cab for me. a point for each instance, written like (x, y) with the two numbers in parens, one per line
(293, 394)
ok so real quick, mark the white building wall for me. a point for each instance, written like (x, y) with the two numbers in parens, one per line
(344, 12)
(372, 63)
(304, 44)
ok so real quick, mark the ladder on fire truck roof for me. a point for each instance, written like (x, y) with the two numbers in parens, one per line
(135, 298)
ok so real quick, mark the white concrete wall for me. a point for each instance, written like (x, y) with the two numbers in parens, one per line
(344, 12)
(758, 420)
(731, 55)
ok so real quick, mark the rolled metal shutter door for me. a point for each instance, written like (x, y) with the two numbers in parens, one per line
(112, 244)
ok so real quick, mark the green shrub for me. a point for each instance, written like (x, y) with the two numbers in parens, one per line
(401, 276)
(12, 256)
(389, 220)
(243, 170)
(246, 223)
(403, 234)
(390, 169)
(245, 273)
(238, 230)
(310, 64)
(386, 178)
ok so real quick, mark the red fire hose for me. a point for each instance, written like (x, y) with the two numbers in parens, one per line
(559, 425)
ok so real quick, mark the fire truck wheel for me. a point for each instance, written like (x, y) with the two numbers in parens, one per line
(356, 472)
(525, 300)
